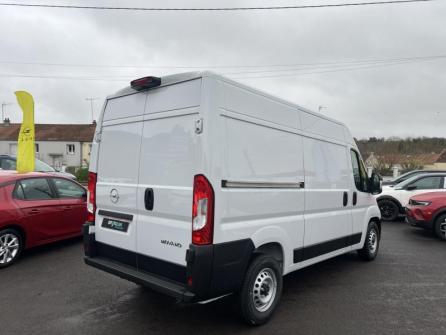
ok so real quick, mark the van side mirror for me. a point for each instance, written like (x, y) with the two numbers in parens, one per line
(375, 183)
(411, 187)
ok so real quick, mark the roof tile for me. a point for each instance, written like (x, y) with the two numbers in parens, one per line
(52, 132)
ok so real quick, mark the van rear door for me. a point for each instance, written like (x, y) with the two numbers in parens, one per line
(118, 168)
(169, 161)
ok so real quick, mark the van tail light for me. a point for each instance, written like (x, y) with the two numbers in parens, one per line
(91, 206)
(202, 211)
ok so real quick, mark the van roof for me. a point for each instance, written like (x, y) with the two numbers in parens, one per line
(187, 76)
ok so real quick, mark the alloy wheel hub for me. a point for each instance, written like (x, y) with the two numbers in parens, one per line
(9, 247)
(443, 228)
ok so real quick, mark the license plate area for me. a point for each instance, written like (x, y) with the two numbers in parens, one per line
(113, 224)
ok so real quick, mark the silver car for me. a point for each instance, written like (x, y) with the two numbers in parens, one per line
(8, 162)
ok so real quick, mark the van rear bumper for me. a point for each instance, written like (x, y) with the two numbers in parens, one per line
(119, 263)
(211, 271)
(155, 283)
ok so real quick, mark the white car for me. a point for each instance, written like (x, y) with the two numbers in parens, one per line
(201, 187)
(393, 199)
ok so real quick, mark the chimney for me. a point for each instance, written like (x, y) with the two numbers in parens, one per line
(6, 122)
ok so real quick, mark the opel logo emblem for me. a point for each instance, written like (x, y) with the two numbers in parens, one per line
(114, 195)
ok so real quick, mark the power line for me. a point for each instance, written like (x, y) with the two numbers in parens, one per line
(317, 69)
(6, 75)
(334, 70)
(214, 8)
(343, 64)
(315, 64)
(342, 69)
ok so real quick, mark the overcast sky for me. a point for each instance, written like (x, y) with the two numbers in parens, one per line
(408, 99)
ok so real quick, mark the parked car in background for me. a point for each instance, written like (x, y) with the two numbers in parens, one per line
(393, 199)
(407, 175)
(428, 211)
(8, 162)
(38, 208)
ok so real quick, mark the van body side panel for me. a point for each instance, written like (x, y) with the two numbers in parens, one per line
(260, 146)
(167, 168)
(327, 179)
(278, 171)
(118, 168)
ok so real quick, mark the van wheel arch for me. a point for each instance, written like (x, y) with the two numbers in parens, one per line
(377, 220)
(272, 249)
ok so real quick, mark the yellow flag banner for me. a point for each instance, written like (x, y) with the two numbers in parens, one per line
(26, 147)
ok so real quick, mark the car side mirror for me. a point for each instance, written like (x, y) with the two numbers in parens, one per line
(375, 183)
(411, 187)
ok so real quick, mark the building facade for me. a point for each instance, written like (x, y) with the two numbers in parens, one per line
(58, 145)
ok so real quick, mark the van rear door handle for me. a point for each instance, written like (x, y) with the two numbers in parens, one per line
(148, 199)
(345, 200)
(355, 198)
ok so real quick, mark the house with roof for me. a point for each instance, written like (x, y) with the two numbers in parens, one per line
(57, 145)
(406, 162)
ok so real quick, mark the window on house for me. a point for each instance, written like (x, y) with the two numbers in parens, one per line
(13, 148)
(71, 149)
(37, 148)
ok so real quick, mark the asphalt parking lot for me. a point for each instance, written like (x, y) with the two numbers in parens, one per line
(51, 291)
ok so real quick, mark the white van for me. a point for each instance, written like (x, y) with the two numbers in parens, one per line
(201, 187)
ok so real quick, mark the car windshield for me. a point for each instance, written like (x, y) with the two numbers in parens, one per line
(43, 167)
(405, 176)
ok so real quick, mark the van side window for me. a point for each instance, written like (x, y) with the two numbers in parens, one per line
(359, 173)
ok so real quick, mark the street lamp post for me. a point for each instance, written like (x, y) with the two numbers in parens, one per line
(91, 106)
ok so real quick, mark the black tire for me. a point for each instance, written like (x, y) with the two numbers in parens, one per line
(440, 227)
(371, 244)
(263, 278)
(11, 243)
(389, 209)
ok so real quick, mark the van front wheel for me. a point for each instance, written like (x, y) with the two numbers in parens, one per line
(371, 244)
(261, 290)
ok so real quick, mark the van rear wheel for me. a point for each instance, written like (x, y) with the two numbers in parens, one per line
(261, 290)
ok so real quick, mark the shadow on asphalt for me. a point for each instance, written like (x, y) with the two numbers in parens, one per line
(50, 248)
(147, 310)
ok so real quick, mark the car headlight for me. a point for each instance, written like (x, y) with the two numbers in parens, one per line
(419, 203)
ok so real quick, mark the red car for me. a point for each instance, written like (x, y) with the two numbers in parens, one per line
(428, 210)
(37, 208)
